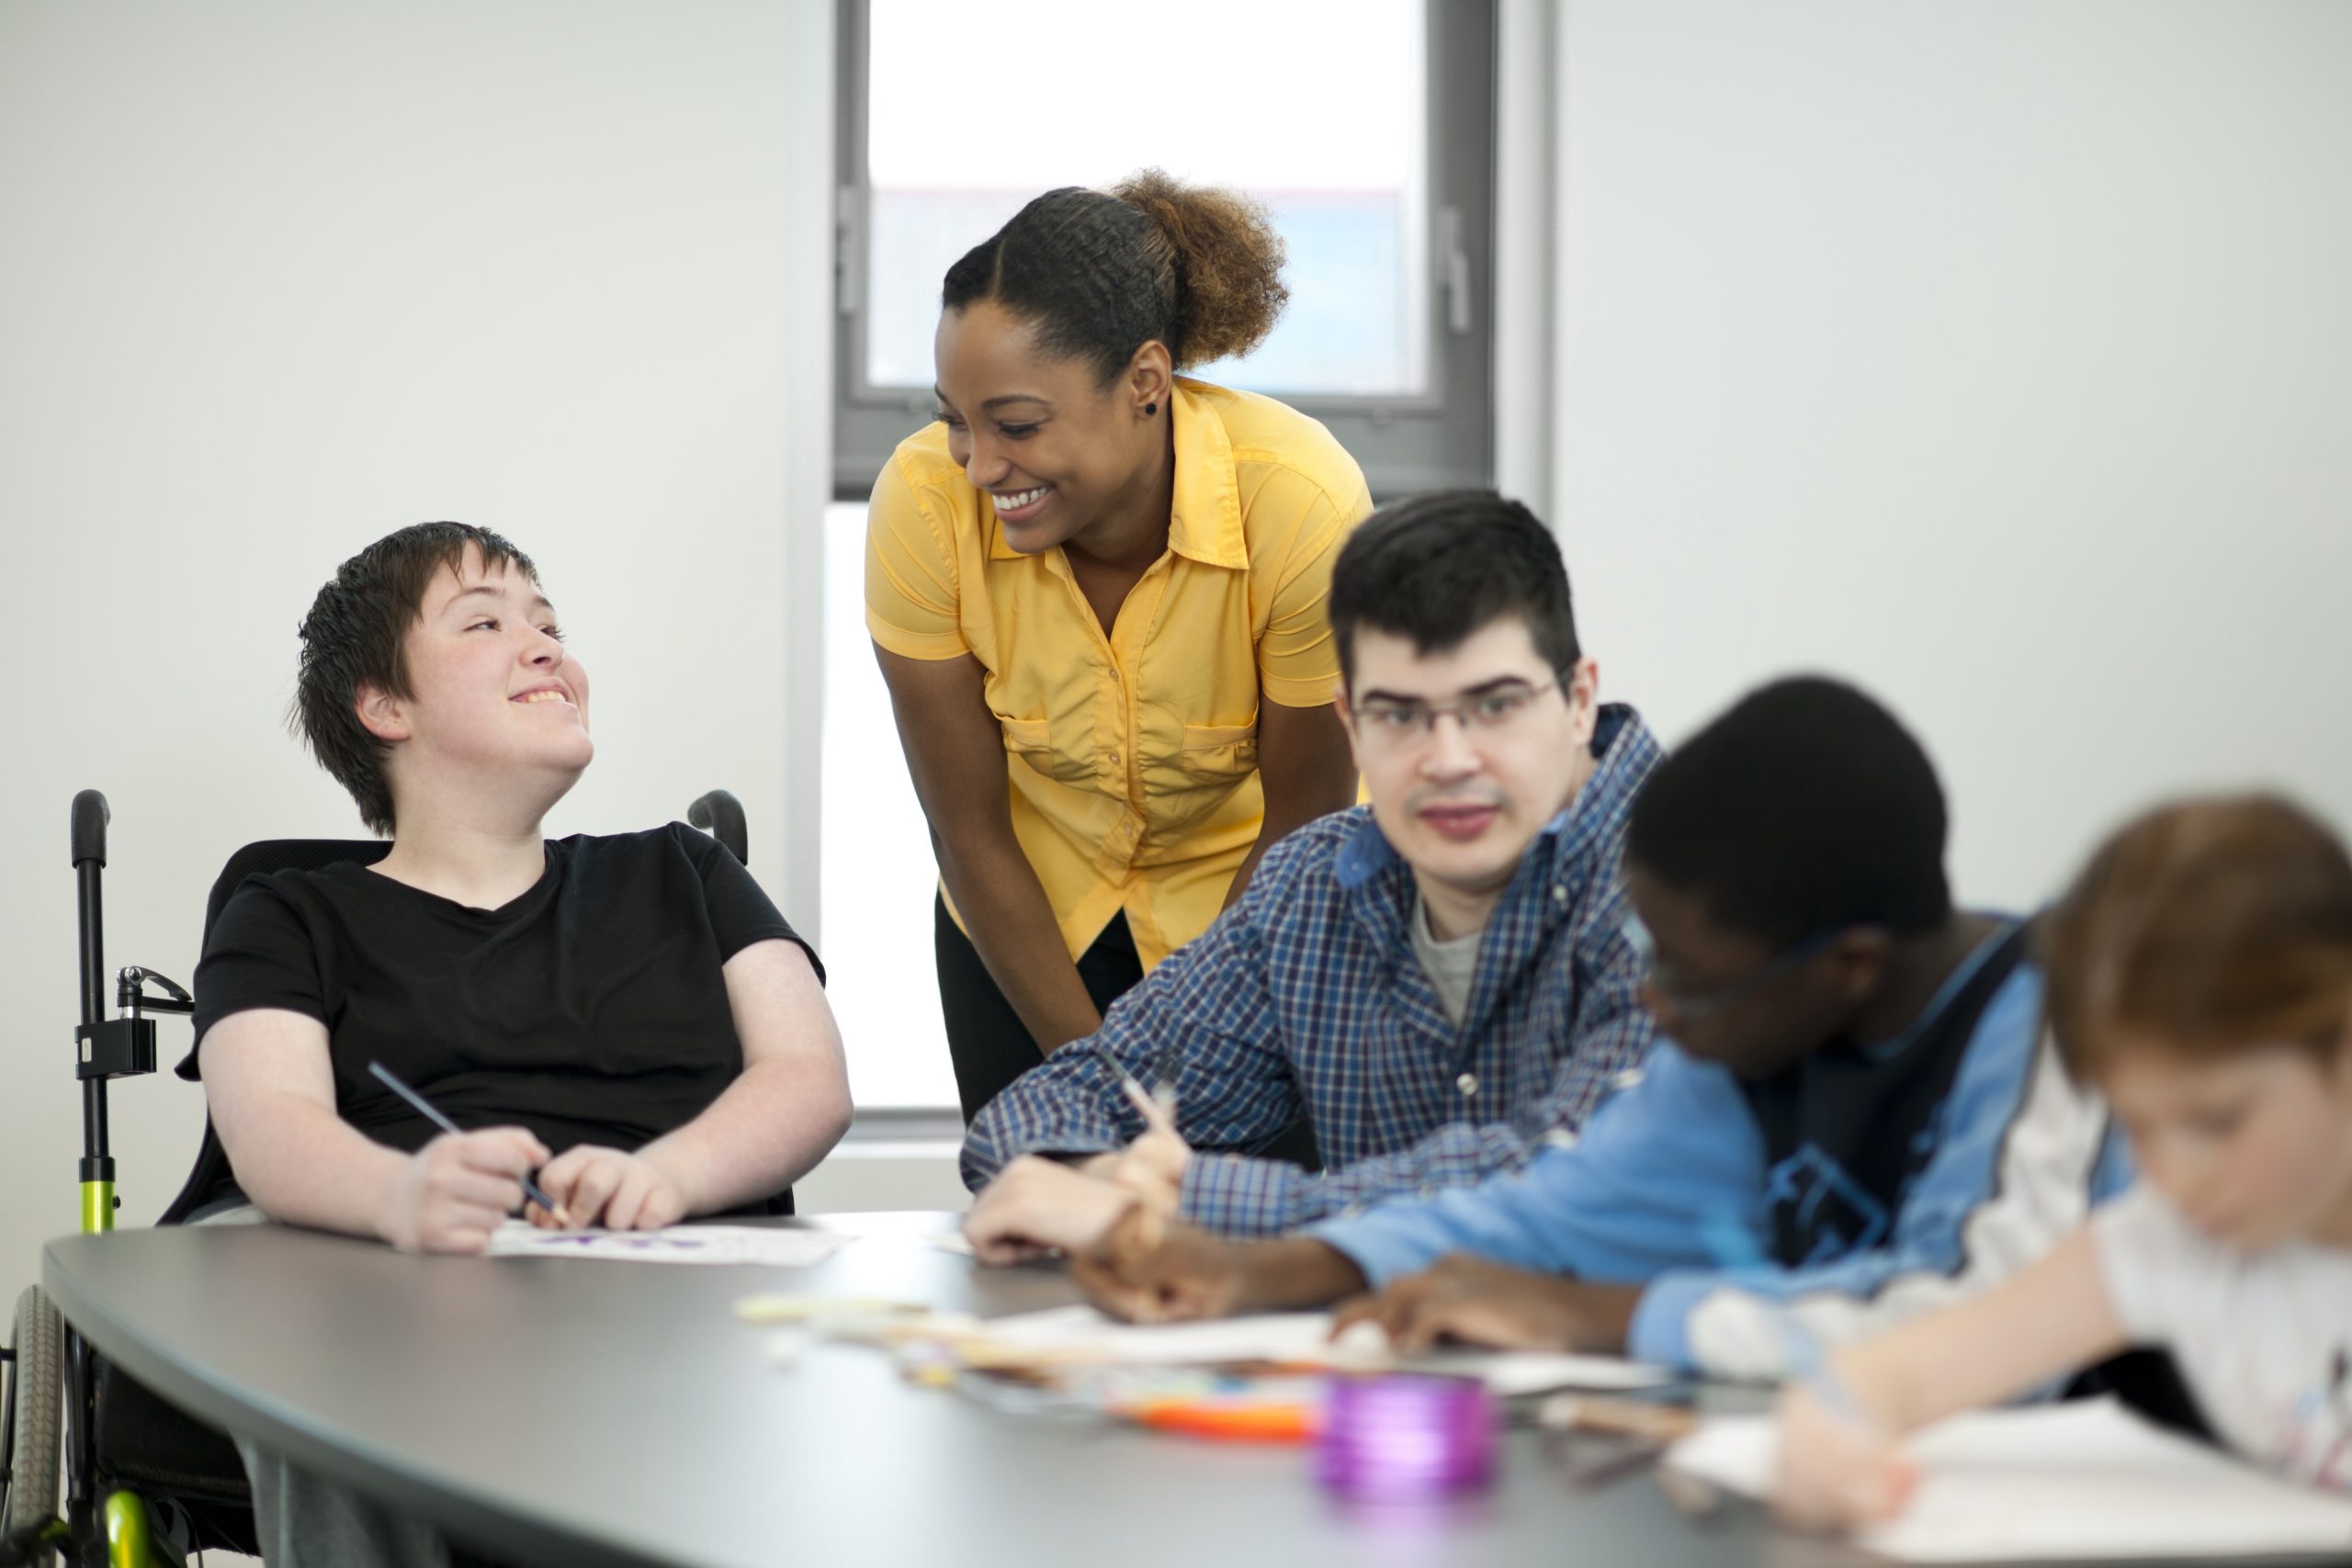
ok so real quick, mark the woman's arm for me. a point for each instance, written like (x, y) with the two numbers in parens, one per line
(784, 1112)
(956, 755)
(1838, 1468)
(1308, 771)
(270, 1087)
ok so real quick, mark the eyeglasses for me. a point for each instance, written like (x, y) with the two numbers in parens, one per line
(1691, 1006)
(1401, 725)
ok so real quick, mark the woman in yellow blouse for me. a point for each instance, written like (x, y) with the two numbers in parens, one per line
(1096, 590)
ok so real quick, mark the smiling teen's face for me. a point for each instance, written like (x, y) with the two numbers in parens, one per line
(2254, 1150)
(1054, 448)
(497, 702)
(1462, 798)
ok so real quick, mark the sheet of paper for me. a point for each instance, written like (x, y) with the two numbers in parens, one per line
(678, 1244)
(1082, 1334)
(2082, 1480)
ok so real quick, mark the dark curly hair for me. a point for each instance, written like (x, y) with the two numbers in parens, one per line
(356, 636)
(1103, 274)
(1805, 806)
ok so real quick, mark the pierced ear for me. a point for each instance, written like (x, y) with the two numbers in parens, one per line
(1151, 376)
(381, 714)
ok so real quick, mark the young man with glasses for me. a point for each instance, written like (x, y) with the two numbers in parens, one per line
(1434, 985)
(1850, 1116)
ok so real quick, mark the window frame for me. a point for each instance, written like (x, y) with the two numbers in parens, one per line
(1440, 438)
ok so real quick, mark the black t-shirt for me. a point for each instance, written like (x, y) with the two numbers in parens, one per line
(590, 1010)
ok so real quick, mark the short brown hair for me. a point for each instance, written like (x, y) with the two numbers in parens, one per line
(357, 635)
(2207, 925)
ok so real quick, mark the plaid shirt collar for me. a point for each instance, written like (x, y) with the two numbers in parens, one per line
(1567, 850)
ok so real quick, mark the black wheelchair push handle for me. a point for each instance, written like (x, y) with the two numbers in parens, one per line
(721, 815)
(90, 817)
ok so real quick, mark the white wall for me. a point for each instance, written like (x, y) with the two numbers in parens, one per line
(277, 278)
(1992, 353)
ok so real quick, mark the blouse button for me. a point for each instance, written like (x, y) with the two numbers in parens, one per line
(1467, 1083)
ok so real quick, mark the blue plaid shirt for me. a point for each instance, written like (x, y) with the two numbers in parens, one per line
(1306, 997)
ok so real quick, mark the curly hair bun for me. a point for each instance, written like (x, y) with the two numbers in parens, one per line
(1229, 262)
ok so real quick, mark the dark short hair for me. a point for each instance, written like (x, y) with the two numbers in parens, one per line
(356, 636)
(1438, 568)
(1101, 273)
(1805, 807)
(2205, 928)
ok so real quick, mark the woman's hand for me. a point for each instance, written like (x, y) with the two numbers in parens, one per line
(1836, 1470)
(620, 1191)
(450, 1194)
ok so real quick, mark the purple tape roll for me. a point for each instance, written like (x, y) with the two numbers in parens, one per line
(1407, 1436)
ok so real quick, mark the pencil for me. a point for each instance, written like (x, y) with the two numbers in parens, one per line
(1158, 1108)
(432, 1114)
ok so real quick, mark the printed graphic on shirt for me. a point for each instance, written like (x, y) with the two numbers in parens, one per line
(2312, 1440)
(1819, 1211)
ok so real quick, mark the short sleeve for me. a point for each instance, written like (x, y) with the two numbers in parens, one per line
(260, 954)
(911, 595)
(741, 910)
(1298, 660)
(2146, 1254)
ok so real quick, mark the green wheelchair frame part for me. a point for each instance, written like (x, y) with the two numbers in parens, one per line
(97, 1207)
(123, 1513)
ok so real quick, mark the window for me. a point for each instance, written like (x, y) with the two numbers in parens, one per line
(1383, 192)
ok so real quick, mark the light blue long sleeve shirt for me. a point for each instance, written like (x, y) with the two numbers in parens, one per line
(1668, 1179)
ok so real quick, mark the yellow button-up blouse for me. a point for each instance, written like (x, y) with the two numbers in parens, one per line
(1133, 758)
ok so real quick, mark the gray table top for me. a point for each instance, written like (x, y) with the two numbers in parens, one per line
(579, 1412)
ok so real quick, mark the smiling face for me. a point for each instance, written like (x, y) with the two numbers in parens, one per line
(2254, 1150)
(498, 707)
(1055, 449)
(1461, 794)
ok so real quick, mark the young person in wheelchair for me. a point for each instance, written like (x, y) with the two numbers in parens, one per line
(629, 1014)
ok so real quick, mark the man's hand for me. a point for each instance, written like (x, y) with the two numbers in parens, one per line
(458, 1188)
(620, 1191)
(1153, 1269)
(1150, 1269)
(1036, 1205)
(1470, 1299)
(1836, 1471)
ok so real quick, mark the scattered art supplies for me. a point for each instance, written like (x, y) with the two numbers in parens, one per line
(678, 1244)
(1079, 1336)
(2083, 1480)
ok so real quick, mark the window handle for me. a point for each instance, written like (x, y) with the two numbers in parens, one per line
(849, 278)
(1454, 259)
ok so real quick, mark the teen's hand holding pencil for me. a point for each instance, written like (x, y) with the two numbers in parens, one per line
(1037, 1205)
(1153, 1165)
(458, 1188)
(1838, 1469)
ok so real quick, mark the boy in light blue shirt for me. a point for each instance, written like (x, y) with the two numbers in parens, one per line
(1850, 1116)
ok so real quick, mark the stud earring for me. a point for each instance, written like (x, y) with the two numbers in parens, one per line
(1151, 409)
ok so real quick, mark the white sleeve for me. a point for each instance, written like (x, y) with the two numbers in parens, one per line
(2151, 1259)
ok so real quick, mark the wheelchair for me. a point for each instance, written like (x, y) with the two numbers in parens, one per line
(145, 1481)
